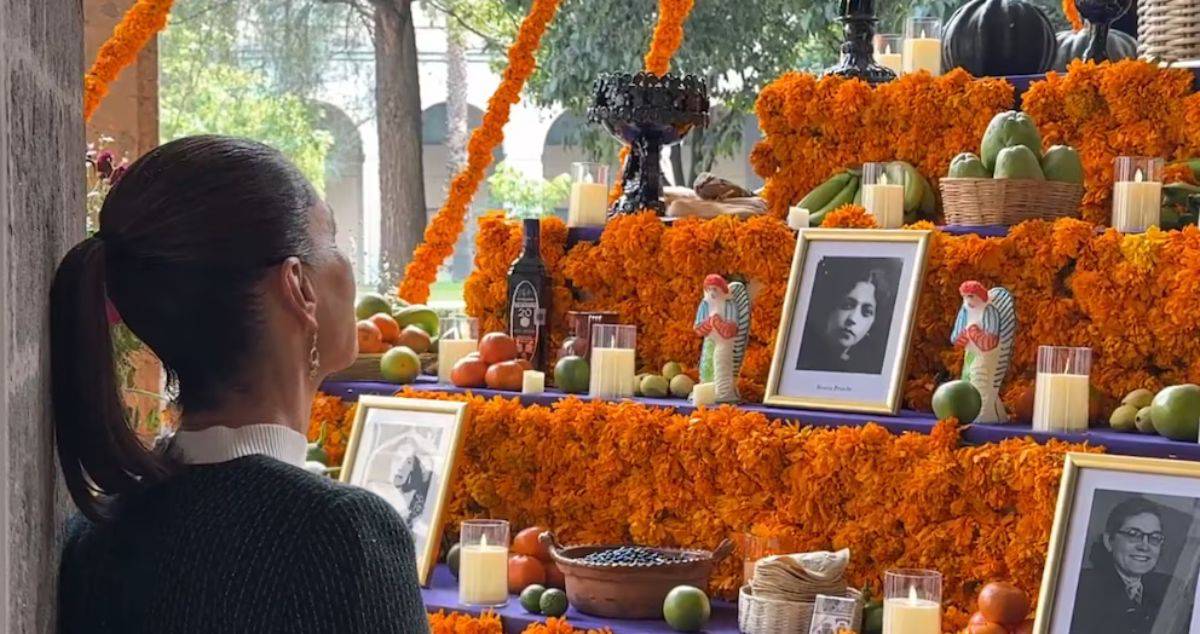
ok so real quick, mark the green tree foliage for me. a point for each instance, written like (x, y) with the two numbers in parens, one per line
(202, 90)
(525, 197)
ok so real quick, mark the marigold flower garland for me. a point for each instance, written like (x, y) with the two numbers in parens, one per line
(814, 127)
(600, 472)
(443, 231)
(489, 623)
(140, 23)
(668, 35)
(1072, 13)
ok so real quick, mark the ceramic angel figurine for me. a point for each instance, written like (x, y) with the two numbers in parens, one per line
(985, 329)
(723, 319)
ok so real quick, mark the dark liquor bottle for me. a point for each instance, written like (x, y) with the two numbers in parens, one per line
(529, 298)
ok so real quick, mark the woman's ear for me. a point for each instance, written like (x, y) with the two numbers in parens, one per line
(298, 294)
(1107, 542)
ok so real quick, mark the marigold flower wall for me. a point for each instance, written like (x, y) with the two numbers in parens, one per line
(620, 472)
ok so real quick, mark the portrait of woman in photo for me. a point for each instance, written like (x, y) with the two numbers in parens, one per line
(413, 480)
(850, 315)
(1122, 593)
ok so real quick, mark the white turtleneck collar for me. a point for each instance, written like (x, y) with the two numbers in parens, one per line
(221, 444)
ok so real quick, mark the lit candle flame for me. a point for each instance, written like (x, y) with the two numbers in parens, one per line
(483, 540)
(1138, 176)
(883, 180)
(912, 594)
(887, 50)
(923, 36)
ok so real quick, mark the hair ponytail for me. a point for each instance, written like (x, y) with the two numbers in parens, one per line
(101, 456)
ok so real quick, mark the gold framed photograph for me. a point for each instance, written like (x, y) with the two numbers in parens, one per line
(405, 451)
(847, 320)
(1125, 549)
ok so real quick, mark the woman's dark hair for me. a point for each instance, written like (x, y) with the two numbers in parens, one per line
(184, 238)
(837, 276)
(1132, 507)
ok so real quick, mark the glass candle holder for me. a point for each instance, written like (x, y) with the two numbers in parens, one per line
(588, 204)
(882, 197)
(1137, 193)
(912, 602)
(483, 563)
(889, 51)
(614, 360)
(754, 547)
(457, 337)
(1060, 400)
(923, 45)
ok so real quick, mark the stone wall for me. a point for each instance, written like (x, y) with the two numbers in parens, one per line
(41, 203)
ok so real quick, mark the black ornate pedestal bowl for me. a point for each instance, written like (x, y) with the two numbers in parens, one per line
(647, 113)
(1100, 14)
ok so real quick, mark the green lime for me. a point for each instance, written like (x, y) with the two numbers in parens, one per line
(370, 303)
(452, 559)
(1176, 412)
(531, 598)
(686, 609)
(655, 386)
(671, 369)
(571, 375)
(957, 399)
(681, 386)
(400, 365)
(553, 602)
(873, 618)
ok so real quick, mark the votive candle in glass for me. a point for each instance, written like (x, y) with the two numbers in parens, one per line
(1137, 193)
(614, 360)
(889, 51)
(923, 45)
(1060, 399)
(881, 197)
(483, 563)
(912, 602)
(457, 337)
(588, 204)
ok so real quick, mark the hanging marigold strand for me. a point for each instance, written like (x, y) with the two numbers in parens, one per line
(443, 231)
(140, 23)
(1072, 13)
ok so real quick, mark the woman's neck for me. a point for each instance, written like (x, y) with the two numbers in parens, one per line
(286, 403)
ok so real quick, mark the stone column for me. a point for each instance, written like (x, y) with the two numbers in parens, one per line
(41, 212)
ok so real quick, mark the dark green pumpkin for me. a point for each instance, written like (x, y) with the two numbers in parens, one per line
(1073, 44)
(991, 38)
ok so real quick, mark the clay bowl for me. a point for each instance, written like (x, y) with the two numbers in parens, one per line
(625, 591)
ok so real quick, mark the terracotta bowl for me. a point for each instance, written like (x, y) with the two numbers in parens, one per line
(629, 592)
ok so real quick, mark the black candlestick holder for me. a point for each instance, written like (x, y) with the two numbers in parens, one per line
(858, 54)
(647, 113)
(1100, 14)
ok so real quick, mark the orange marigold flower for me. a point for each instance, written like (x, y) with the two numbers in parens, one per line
(140, 23)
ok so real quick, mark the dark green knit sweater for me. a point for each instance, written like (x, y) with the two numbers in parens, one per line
(249, 545)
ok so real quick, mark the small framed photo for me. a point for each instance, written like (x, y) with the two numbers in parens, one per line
(405, 450)
(1125, 548)
(847, 319)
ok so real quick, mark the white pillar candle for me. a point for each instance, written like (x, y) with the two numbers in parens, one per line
(1060, 402)
(533, 382)
(890, 59)
(923, 53)
(910, 615)
(588, 205)
(704, 394)
(483, 574)
(612, 371)
(797, 218)
(1137, 204)
(449, 352)
(885, 201)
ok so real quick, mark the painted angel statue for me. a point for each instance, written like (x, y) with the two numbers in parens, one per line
(723, 319)
(985, 329)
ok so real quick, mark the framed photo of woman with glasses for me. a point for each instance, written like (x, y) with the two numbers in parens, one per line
(405, 451)
(847, 319)
(1125, 550)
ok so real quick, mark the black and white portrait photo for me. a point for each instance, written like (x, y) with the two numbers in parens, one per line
(404, 451)
(1138, 545)
(847, 320)
(850, 314)
(1125, 555)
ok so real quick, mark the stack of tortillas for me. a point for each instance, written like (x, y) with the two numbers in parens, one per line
(801, 577)
(781, 599)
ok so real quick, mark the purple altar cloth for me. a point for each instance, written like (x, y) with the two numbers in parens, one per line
(1127, 444)
(442, 594)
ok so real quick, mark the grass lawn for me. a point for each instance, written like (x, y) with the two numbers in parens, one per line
(446, 294)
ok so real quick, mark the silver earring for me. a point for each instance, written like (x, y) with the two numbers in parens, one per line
(314, 359)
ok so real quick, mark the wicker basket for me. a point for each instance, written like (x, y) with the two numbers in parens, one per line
(1169, 30)
(772, 616)
(1003, 201)
(365, 368)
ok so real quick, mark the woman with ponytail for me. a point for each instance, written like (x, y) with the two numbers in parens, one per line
(218, 254)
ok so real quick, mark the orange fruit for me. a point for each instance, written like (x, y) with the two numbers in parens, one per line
(508, 375)
(554, 577)
(469, 372)
(369, 337)
(523, 572)
(986, 628)
(1026, 627)
(977, 619)
(388, 328)
(496, 347)
(415, 338)
(528, 543)
(1003, 603)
